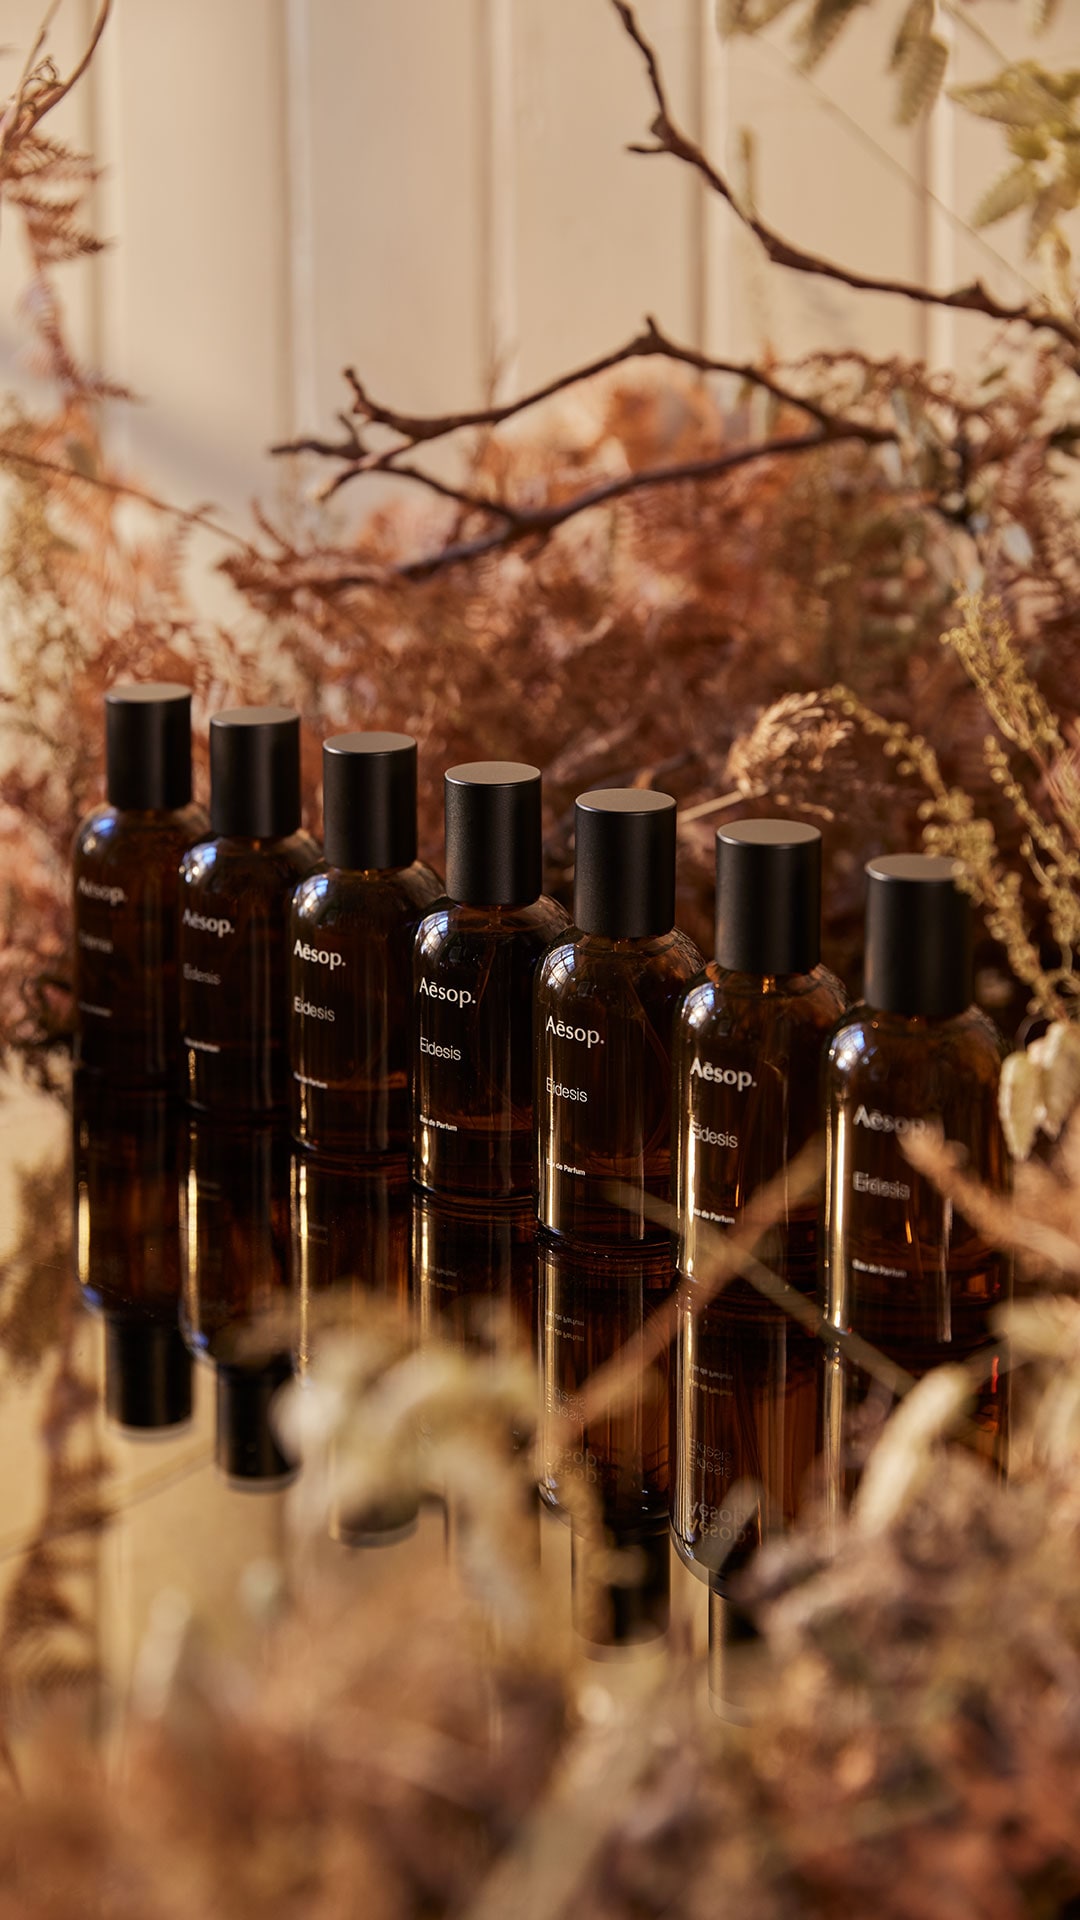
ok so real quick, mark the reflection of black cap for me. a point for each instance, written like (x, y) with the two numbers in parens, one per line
(246, 1446)
(624, 863)
(918, 937)
(148, 746)
(369, 800)
(768, 897)
(731, 1631)
(147, 1374)
(634, 1607)
(255, 772)
(494, 842)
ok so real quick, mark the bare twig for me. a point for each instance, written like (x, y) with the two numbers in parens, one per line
(415, 430)
(669, 138)
(521, 523)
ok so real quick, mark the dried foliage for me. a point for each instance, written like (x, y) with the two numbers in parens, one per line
(903, 1734)
(1034, 105)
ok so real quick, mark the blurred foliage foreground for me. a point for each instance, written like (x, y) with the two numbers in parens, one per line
(730, 581)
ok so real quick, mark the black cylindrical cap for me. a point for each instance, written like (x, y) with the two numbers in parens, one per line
(494, 843)
(635, 1606)
(369, 800)
(255, 772)
(246, 1447)
(768, 897)
(624, 863)
(147, 1374)
(148, 746)
(918, 937)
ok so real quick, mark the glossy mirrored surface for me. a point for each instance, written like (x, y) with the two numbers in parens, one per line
(166, 1275)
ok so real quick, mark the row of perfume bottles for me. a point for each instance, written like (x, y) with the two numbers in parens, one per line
(543, 1055)
(200, 1240)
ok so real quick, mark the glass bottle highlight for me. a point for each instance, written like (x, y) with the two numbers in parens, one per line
(605, 1001)
(351, 938)
(126, 860)
(904, 1269)
(235, 893)
(475, 958)
(750, 1036)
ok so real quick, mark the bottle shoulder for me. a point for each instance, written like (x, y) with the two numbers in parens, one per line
(450, 920)
(946, 1059)
(590, 959)
(720, 1002)
(338, 896)
(224, 862)
(111, 833)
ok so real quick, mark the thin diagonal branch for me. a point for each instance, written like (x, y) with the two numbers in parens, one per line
(522, 523)
(669, 138)
(415, 430)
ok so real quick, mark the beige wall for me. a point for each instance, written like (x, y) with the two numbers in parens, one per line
(436, 188)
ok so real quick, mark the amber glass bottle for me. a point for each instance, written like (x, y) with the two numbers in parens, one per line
(475, 957)
(750, 1038)
(904, 1269)
(127, 1244)
(351, 940)
(126, 861)
(607, 1472)
(235, 893)
(605, 1001)
(236, 1270)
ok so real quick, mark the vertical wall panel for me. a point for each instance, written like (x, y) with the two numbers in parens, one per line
(396, 142)
(602, 235)
(832, 173)
(191, 128)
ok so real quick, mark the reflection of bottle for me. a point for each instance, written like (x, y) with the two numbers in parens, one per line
(235, 1222)
(351, 1231)
(351, 1270)
(126, 860)
(749, 1040)
(475, 1272)
(605, 999)
(351, 940)
(235, 891)
(472, 979)
(127, 1241)
(903, 1269)
(475, 1276)
(607, 1471)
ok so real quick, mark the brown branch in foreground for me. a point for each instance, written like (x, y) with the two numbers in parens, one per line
(730, 1255)
(670, 138)
(997, 1216)
(520, 523)
(415, 430)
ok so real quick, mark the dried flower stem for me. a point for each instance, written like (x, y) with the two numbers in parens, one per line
(670, 139)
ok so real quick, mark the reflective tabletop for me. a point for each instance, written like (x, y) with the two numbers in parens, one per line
(169, 1282)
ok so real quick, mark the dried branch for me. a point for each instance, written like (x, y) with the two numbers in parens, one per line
(40, 89)
(669, 138)
(416, 430)
(519, 523)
